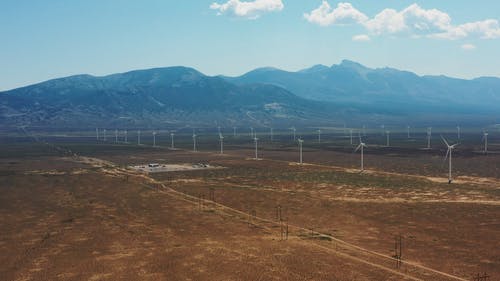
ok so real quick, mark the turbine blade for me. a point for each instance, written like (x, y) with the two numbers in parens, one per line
(358, 147)
(444, 140)
(447, 153)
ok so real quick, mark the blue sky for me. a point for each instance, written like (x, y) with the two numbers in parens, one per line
(41, 39)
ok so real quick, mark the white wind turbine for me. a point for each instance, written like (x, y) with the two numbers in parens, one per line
(485, 139)
(448, 155)
(104, 134)
(361, 146)
(408, 131)
(255, 139)
(350, 135)
(221, 140)
(139, 137)
(194, 142)
(429, 135)
(234, 131)
(97, 133)
(458, 132)
(126, 137)
(301, 141)
(387, 134)
(294, 131)
(251, 133)
(172, 140)
(154, 138)
(319, 135)
(272, 134)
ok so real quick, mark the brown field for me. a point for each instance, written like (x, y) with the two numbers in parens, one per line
(88, 217)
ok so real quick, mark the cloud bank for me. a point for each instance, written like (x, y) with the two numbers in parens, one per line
(412, 21)
(247, 9)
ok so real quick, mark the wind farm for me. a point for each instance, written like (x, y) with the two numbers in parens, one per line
(250, 140)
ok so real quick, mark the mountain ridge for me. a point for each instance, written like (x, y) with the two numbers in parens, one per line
(263, 96)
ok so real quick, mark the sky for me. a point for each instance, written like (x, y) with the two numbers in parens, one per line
(41, 40)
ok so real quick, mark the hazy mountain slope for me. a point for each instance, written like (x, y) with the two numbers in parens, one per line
(383, 90)
(155, 96)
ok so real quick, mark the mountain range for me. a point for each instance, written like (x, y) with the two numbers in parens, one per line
(318, 96)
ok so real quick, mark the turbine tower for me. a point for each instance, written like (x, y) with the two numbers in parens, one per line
(429, 135)
(255, 139)
(154, 138)
(104, 134)
(448, 155)
(408, 130)
(350, 135)
(116, 135)
(194, 142)
(485, 139)
(251, 133)
(388, 133)
(126, 136)
(319, 135)
(301, 141)
(294, 131)
(458, 132)
(172, 140)
(139, 137)
(272, 135)
(97, 133)
(361, 146)
(221, 139)
(234, 131)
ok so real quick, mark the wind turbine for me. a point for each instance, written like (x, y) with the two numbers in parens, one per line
(116, 135)
(458, 132)
(448, 154)
(154, 138)
(408, 130)
(350, 134)
(387, 133)
(255, 139)
(126, 136)
(97, 133)
(272, 134)
(383, 129)
(172, 140)
(301, 141)
(319, 135)
(234, 131)
(251, 133)
(485, 139)
(294, 131)
(429, 135)
(361, 146)
(221, 139)
(194, 142)
(104, 132)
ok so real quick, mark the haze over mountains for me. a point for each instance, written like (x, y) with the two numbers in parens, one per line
(172, 96)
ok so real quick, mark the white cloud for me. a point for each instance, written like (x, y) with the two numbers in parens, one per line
(387, 21)
(486, 29)
(468, 47)
(247, 9)
(344, 13)
(413, 21)
(361, 38)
